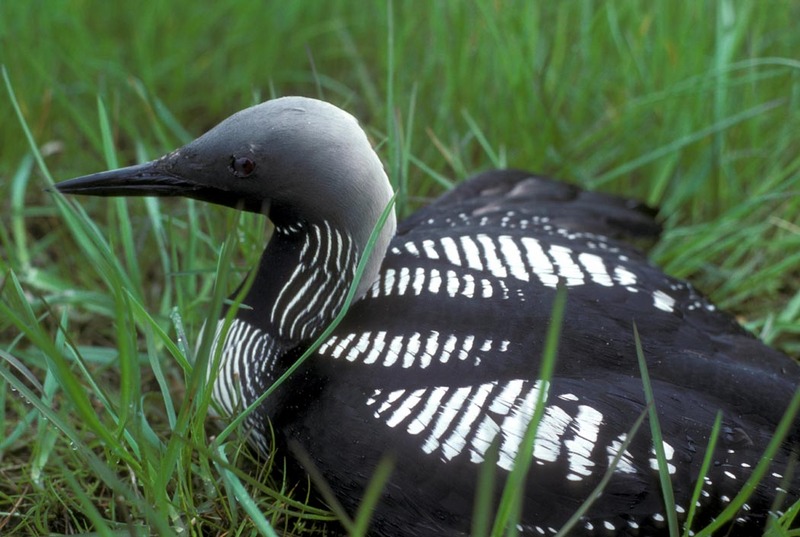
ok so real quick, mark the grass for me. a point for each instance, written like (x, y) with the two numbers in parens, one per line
(692, 107)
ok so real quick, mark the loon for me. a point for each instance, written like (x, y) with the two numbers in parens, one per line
(436, 362)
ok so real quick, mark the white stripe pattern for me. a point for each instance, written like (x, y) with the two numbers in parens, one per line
(447, 413)
(507, 256)
(315, 291)
(466, 420)
(625, 464)
(244, 347)
(580, 447)
(567, 268)
(471, 251)
(416, 349)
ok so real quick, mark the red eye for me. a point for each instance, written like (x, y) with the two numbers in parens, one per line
(242, 166)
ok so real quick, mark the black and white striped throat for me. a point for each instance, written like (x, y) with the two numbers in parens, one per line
(315, 290)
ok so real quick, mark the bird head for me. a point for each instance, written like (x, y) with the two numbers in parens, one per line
(294, 159)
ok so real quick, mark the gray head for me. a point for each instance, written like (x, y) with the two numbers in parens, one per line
(293, 159)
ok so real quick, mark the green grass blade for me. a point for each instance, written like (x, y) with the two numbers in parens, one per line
(691, 138)
(782, 525)
(69, 383)
(97, 466)
(371, 497)
(575, 518)
(662, 126)
(28, 135)
(243, 497)
(88, 507)
(484, 493)
(760, 471)
(704, 467)
(658, 440)
(494, 156)
(19, 183)
(510, 507)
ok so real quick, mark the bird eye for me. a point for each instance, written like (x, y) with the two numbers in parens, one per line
(242, 166)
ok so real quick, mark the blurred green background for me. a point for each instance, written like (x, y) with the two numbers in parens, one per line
(690, 106)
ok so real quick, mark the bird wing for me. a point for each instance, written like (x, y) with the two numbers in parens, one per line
(465, 294)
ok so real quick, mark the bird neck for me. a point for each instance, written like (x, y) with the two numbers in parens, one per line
(301, 281)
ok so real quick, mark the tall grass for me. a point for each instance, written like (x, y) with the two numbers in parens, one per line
(690, 106)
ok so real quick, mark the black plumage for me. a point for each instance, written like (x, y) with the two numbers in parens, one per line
(438, 358)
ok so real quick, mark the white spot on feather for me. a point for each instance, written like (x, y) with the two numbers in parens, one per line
(450, 250)
(502, 402)
(360, 347)
(394, 351)
(550, 432)
(587, 426)
(596, 268)
(452, 283)
(539, 262)
(624, 277)
(447, 414)
(411, 350)
(493, 262)
(377, 347)
(663, 301)
(513, 256)
(625, 464)
(431, 346)
(419, 280)
(471, 252)
(448, 348)
(430, 249)
(567, 268)
(402, 282)
(412, 249)
(404, 410)
(469, 286)
(424, 417)
(435, 281)
(456, 442)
